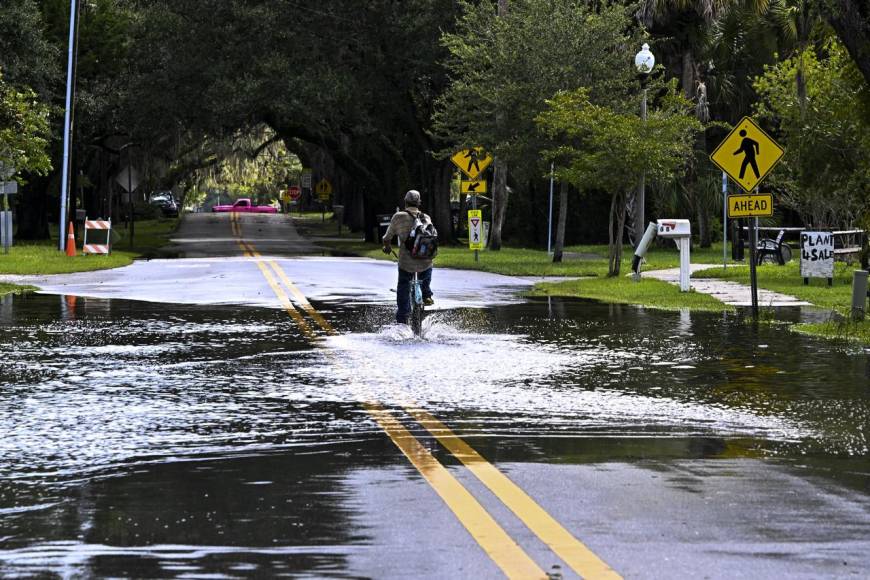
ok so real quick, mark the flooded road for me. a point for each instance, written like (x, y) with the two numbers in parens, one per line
(157, 440)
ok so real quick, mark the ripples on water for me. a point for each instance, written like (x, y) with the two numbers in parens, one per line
(126, 382)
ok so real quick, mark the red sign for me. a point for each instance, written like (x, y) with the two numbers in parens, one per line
(294, 192)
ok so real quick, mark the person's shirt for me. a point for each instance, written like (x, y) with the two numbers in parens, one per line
(400, 226)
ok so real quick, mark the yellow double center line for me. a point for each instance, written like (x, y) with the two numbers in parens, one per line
(492, 538)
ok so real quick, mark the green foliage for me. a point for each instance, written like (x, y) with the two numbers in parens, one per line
(24, 130)
(503, 69)
(14, 289)
(825, 174)
(609, 150)
(27, 56)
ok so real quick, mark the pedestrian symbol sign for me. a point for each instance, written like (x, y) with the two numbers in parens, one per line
(472, 162)
(475, 229)
(747, 154)
(475, 187)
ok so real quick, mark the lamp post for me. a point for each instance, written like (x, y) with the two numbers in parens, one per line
(644, 61)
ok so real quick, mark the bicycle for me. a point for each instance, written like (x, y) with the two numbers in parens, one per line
(415, 319)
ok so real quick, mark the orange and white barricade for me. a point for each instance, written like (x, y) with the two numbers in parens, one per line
(99, 225)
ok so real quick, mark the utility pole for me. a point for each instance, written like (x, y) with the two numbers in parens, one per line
(68, 119)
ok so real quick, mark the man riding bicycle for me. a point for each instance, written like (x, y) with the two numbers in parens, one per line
(401, 225)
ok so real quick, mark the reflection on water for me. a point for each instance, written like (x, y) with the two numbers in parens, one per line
(94, 389)
(92, 383)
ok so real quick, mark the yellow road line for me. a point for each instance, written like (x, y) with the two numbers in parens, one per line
(579, 557)
(513, 561)
(503, 550)
(276, 288)
(300, 298)
(285, 301)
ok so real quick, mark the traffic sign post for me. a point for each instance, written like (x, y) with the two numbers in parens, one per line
(747, 155)
(324, 192)
(474, 187)
(472, 161)
(758, 205)
(306, 185)
(475, 230)
(7, 188)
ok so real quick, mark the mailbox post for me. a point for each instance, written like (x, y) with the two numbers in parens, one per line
(680, 231)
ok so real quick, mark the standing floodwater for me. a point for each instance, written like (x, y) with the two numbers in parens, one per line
(155, 440)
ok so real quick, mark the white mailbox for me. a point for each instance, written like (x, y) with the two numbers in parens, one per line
(674, 228)
(681, 232)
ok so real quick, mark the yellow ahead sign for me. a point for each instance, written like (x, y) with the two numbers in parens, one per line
(758, 205)
(472, 162)
(747, 154)
(475, 229)
(474, 187)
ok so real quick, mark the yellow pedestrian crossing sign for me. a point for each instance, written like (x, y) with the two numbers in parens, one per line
(475, 187)
(472, 162)
(323, 189)
(475, 229)
(747, 154)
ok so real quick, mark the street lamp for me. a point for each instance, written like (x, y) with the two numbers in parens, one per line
(644, 61)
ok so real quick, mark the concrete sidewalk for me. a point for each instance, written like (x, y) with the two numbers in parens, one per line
(728, 292)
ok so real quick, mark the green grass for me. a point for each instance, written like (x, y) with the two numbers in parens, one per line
(587, 262)
(623, 290)
(310, 224)
(29, 258)
(14, 289)
(577, 260)
(845, 330)
(787, 280)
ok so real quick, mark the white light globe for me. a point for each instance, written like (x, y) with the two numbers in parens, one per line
(644, 60)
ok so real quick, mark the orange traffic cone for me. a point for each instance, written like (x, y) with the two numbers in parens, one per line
(71, 242)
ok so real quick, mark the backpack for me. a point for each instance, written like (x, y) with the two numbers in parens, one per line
(422, 242)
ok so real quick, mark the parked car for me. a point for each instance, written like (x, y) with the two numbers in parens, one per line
(166, 202)
(244, 205)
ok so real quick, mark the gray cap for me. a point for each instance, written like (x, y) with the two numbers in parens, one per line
(412, 198)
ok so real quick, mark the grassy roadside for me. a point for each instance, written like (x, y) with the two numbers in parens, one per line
(647, 292)
(787, 280)
(588, 263)
(39, 258)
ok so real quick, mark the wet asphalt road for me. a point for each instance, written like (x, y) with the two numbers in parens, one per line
(209, 439)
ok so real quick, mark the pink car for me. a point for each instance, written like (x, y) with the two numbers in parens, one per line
(243, 205)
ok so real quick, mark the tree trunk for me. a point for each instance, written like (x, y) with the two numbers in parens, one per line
(703, 217)
(688, 76)
(441, 201)
(850, 19)
(560, 225)
(499, 203)
(499, 179)
(617, 226)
